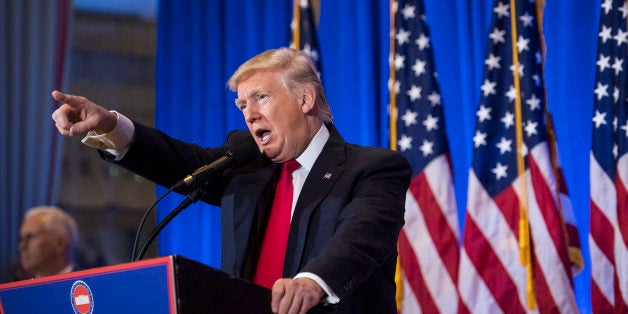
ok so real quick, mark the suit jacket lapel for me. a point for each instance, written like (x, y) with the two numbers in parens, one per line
(327, 169)
(239, 206)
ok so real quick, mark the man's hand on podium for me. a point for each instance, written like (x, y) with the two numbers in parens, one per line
(295, 295)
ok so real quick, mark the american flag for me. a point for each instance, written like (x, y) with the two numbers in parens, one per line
(303, 26)
(519, 231)
(608, 238)
(429, 241)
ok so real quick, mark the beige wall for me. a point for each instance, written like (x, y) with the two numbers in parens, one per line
(112, 63)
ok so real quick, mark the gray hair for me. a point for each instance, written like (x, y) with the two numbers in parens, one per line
(298, 70)
(57, 221)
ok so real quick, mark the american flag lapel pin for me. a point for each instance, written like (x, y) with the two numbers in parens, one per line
(327, 176)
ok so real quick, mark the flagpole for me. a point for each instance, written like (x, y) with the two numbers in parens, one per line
(393, 96)
(524, 224)
(393, 135)
(296, 29)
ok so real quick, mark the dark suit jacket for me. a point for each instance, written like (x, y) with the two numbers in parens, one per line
(346, 221)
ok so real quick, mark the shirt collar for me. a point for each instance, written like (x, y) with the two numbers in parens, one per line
(308, 157)
(68, 268)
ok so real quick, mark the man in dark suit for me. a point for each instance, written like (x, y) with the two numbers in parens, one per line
(348, 200)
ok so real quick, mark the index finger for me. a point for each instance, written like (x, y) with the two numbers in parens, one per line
(58, 96)
(71, 100)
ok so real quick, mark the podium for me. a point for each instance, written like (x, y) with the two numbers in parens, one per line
(169, 284)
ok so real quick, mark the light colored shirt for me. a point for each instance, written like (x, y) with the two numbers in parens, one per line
(306, 160)
(118, 141)
(68, 268)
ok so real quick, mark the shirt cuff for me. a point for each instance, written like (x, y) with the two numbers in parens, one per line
(332, 298)
(115, 143)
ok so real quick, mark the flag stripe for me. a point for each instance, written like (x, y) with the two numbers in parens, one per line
(575, 253)
(491, 245)
(494, 274)
(435, 220)
(598, 298)
(555, 270)
(622, 202)
(508, 204)
(543, 292)
(602, 247)
(473, 291)
(621, 185)
(414, 278)
(428, 227)
(441, 183)
(602, 294)
(410, 304)
(546, 203)
(600, 224)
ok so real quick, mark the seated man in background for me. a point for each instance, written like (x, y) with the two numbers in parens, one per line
(48, 240)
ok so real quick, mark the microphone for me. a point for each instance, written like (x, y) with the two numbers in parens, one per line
(236, 156)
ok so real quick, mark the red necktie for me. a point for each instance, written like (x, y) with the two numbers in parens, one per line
(273, 252)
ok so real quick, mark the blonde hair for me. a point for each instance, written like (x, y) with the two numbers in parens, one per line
(57, 221)
(298, 69)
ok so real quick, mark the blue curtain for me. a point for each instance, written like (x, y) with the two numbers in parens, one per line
(33, 49)
(200, 43)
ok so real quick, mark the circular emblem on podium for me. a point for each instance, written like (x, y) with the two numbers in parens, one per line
(81, 298)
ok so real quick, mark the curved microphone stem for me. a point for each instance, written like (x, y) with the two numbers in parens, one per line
(192, 198)
(143, 221)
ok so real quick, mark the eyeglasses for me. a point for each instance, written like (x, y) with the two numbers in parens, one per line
(27, 237)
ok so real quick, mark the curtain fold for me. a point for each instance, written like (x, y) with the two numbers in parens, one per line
(33, 50)
(201, 44)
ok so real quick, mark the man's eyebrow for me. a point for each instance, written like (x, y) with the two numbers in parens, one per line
(252, 94)
(257, 91)
(27, 235)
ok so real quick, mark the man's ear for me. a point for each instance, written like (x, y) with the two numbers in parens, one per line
(308, 98)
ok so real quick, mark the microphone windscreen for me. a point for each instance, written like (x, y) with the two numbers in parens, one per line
(245, 152)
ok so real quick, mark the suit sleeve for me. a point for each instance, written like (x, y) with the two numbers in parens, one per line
(365, 240)
(164, 160)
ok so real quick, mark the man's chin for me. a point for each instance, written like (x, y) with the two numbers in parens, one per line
(28, 270)
(271, 155)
